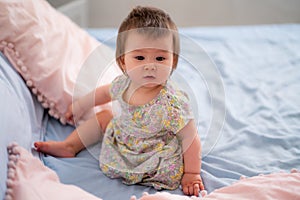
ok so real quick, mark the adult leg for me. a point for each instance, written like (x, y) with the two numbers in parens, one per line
(28, 178)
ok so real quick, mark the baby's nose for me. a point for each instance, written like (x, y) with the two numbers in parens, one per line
(149, 67)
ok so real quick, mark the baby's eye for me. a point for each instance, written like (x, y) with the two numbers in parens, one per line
(160, 58)
(139, 57)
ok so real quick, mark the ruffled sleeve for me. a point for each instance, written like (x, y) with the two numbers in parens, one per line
(178, 110)
(118, 86)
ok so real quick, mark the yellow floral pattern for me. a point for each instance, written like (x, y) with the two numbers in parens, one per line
(140, 144)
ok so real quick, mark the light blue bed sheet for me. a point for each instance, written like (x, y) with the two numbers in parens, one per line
(259, 67)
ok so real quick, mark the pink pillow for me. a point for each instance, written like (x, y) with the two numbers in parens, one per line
(47, 49)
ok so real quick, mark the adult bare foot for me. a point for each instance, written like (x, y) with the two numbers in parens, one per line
(55, 148)
(29, 178)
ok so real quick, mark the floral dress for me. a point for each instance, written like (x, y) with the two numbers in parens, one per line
(140, 143)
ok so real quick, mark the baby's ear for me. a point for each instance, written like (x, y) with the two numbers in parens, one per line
(175, 61)
(121, 63)
(122, 59)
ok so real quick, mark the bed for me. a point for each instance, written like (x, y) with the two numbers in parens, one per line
(247, 107)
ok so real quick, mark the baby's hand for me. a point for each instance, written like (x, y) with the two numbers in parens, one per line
(191, 184)
(74, 112)
(69, 114)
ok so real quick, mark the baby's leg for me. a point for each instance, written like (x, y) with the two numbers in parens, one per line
(86, 134)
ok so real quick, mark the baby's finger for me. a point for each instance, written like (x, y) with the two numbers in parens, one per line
(68, 115)
(196, 190)
(191, 190)
(201, 186)
(69, 118)
(185, 190)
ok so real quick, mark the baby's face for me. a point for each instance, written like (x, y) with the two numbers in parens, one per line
(147, 61)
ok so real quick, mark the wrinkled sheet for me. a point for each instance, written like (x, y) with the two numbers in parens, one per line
(249, 125)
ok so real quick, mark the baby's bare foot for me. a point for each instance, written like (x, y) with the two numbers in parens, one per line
(54, 148)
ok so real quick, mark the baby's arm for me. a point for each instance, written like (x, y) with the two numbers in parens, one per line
(97, 97)
(191, 181)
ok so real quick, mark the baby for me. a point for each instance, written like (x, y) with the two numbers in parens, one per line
(153, 141)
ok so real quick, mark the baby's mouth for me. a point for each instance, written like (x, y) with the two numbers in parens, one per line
(149, 77)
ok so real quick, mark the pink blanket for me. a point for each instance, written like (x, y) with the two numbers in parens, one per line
(28, 178)
(283, 186)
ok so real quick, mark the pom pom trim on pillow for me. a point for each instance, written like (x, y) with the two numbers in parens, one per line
(48, 50)
(15, 58)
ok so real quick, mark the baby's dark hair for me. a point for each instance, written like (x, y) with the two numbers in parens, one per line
(151, 21)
